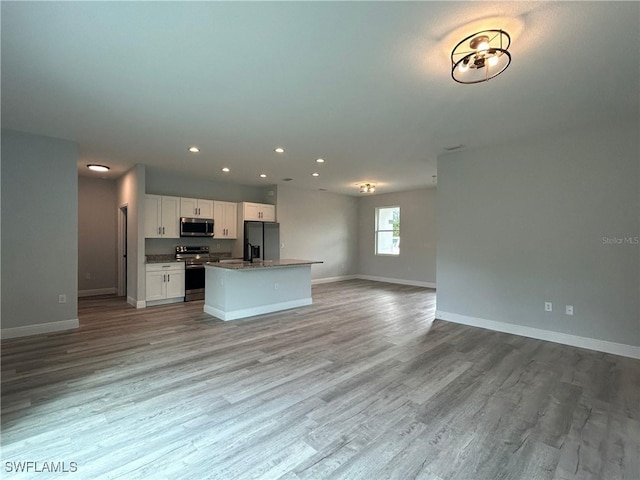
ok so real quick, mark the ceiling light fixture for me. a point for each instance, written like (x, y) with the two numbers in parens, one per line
(194, 149)
(278, 150)
(367, 188)
(263, 175)
(320, 160)
(315, 174)
(225, 169)
(98, 168)
(481, 56)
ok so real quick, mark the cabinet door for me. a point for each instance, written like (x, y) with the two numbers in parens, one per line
(231, 220)
(188, 207)
(251, 211)
(205, 208)
(170, 217)
(152, 216)
(268, 213)
(218, 219)
(156, 289)
(175, 283)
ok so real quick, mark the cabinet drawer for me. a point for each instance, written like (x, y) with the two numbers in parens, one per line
(168, 266)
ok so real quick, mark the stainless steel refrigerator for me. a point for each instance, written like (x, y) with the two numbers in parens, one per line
(261, 241)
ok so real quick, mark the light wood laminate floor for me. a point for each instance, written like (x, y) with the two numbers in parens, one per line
(363, 384)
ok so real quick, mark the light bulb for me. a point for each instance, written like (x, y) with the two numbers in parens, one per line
(463, 67)
(482, 46)
(493, 60)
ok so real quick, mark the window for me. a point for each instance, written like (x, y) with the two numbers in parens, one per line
(388, 231)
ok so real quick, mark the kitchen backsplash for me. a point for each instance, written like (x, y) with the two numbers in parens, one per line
(167, 246)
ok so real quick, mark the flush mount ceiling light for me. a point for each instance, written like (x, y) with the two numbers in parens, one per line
(98, 168)
(194, 149)
(263, 175)
(320, 160)
(481, 56)
(278, 150)
(225, 169)
(367, 188)
(315, 174)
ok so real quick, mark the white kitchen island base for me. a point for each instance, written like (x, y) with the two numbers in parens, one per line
(243, 290)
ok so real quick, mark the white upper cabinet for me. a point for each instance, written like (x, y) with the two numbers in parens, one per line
(161, 216)
(196, 208)
(260, 212)
(225, 216)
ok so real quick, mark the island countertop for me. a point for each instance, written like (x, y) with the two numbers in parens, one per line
(238, 265)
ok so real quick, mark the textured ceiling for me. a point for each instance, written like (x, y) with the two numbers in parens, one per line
(365, 85)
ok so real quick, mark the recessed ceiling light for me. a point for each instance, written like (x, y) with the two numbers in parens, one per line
(315, 174)
(194, 149)
(225, 169)
(287, 179)
(278, 150)
(263, 175)
(98, 168)
(320, 160)
(322, 189)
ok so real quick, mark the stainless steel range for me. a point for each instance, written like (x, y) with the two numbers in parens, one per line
(194, 258)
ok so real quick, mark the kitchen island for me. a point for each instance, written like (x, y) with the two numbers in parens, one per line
(242, 289)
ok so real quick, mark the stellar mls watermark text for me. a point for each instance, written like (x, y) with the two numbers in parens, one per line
(40, 467)
(621, 240)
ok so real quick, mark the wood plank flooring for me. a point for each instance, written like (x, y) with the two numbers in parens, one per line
(363, 384)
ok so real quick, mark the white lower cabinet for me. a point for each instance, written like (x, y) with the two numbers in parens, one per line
(165, 282)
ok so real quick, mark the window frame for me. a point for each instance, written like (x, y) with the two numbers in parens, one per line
(378, 230)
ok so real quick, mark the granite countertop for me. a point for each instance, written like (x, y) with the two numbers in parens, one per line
(261, 264)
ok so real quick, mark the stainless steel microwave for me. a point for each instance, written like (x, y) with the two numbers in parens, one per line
(196, 227)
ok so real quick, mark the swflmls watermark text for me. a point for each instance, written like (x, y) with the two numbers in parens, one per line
(40, 467)
(621, 240)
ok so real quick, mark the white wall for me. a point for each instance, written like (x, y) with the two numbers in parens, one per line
(39, 234)
(97, 234)
(416, 263)
(130, 192)
(523, 223)
(319, 226)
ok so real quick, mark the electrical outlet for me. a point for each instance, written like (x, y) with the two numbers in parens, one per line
(62, 299)
(568, 309)
(548, 307)
(87, 276)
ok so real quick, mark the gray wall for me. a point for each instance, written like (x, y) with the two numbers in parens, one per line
(130, 190)
(417, 260)
(319, 226)
(162, 182)
(97, 233)
(524, 223)
(39, 229)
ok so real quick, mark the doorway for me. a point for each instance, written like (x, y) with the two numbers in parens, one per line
(122, 250)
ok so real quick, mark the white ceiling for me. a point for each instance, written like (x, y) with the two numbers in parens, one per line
(365, 85)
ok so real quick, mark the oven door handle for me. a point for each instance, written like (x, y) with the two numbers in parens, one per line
(191, 267)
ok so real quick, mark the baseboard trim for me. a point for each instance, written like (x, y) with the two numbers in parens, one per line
(252, 312)
(97, 291)
(164, 301)
(136, 303)
(540, 334)
(39, 328)
(413, 283)
(333, 279)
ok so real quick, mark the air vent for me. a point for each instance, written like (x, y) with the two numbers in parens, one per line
(287, 179)
(454, 147)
